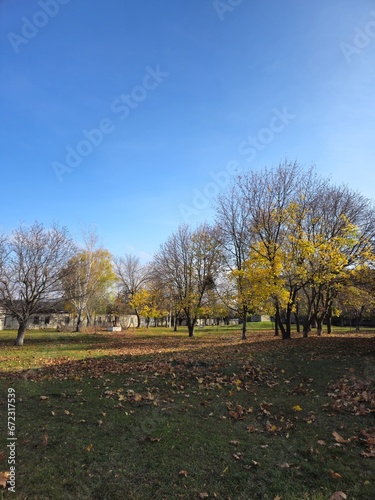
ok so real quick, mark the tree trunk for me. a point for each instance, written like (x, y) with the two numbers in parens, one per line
(288, 321)
(319, 326)
(190, 324)
(306, 327)
(359, 319)
(357, 324)
(20, 333)
(305, 331)
(285, 334)
(79, 322)
(276, 328)
(138, 319)
(329, 324)
(88, 318)
(329, 320)
(298, 326)
(244, 322)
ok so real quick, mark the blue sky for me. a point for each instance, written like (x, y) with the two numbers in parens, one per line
(130, 116)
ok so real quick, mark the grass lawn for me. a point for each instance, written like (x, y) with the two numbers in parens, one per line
(152, 414)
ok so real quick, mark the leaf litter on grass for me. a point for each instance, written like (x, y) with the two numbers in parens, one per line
(213, 371)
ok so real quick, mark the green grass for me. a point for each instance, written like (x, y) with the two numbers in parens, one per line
(154, 414)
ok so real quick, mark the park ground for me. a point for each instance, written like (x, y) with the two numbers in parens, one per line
(153, 414)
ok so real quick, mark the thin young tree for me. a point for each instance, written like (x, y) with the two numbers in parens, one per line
(87, 276)
(233, 223)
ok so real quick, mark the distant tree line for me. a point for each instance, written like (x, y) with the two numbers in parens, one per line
(284, 241)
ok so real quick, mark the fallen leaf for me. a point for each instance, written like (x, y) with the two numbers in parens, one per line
(339, 439)
(297, 408)
(234, 442)
(89, 448)
(43, 398)
(338, 495)
(1, 455)
(203, 495)
(152, 439)
(334, 474)
(45, 440)
(183, 473)
(3, 478)
(271, 427)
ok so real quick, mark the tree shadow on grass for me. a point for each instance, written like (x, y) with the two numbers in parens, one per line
(133, 354)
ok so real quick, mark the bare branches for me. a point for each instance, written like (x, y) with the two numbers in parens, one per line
(187, 264)
(31, 264)
(132, 277)
(304, 230)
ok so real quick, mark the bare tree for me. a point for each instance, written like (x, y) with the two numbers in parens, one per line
(188, 264)
(132, 276)
(31, 268)
(233, 222)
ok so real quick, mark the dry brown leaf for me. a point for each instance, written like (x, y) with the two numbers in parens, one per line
(4, 476)
(45, 440)
(203, 495)
(338, 495)
(183, 473)
(334, 474)
(152, 439)
(339, 439)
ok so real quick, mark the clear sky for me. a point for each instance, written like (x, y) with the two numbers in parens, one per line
(130, 116)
